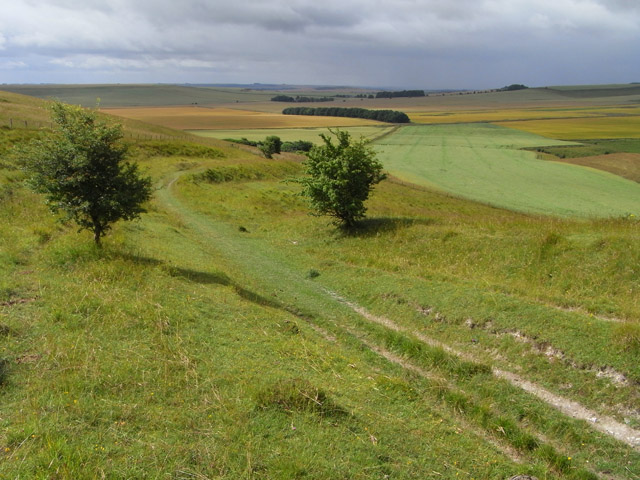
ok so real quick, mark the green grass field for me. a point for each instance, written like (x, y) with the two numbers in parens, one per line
(292, 134)
(229, 334)
(483, 163)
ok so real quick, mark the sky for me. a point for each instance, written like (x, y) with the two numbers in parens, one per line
(430, 44)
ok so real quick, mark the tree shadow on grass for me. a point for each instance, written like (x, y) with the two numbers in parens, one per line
(212, 278)
(370, 227)
(221, 278)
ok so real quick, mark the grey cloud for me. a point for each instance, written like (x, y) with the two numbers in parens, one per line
(621, 5)
(419, 42)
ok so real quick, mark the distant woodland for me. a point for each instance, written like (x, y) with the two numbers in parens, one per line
(299, 99)
(390, 116)
(403, 93)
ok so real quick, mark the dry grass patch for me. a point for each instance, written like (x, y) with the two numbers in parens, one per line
(626, 165)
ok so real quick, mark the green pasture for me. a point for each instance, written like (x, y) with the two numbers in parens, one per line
(292, 134)
(484, 163)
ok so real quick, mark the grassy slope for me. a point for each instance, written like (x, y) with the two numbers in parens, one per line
(403, 284)
(481, 162)
(158, 357)
(17, 109)
(178, 348)
(148, 361)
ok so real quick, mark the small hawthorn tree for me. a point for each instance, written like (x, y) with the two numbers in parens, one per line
(81, 168)
(340, 177)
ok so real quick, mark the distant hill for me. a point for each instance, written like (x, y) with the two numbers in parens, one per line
(597, 91)
(23, 112)
(148, 95)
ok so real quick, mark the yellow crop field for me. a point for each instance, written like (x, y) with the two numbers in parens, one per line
(581, 128)
(516, 114)
(200, 118)
(492, 116)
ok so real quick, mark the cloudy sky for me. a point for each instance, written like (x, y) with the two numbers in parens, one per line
(395, 43)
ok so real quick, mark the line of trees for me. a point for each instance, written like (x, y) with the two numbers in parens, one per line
(390, 116)
(299, 99)
(294, 146)
(402, 93)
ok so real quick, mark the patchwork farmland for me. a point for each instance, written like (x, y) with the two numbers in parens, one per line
(486, 163)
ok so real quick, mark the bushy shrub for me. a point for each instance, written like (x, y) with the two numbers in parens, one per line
(340, 177)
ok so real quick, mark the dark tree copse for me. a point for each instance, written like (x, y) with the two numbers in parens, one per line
(391, 116)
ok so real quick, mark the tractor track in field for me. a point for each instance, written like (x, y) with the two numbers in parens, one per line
(602, 423)
(506, 449)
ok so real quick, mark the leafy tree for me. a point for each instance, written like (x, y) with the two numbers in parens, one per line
(82, 170)
(271, 145)
(340, 177)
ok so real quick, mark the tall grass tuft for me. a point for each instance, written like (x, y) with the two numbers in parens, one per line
(299, 395)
